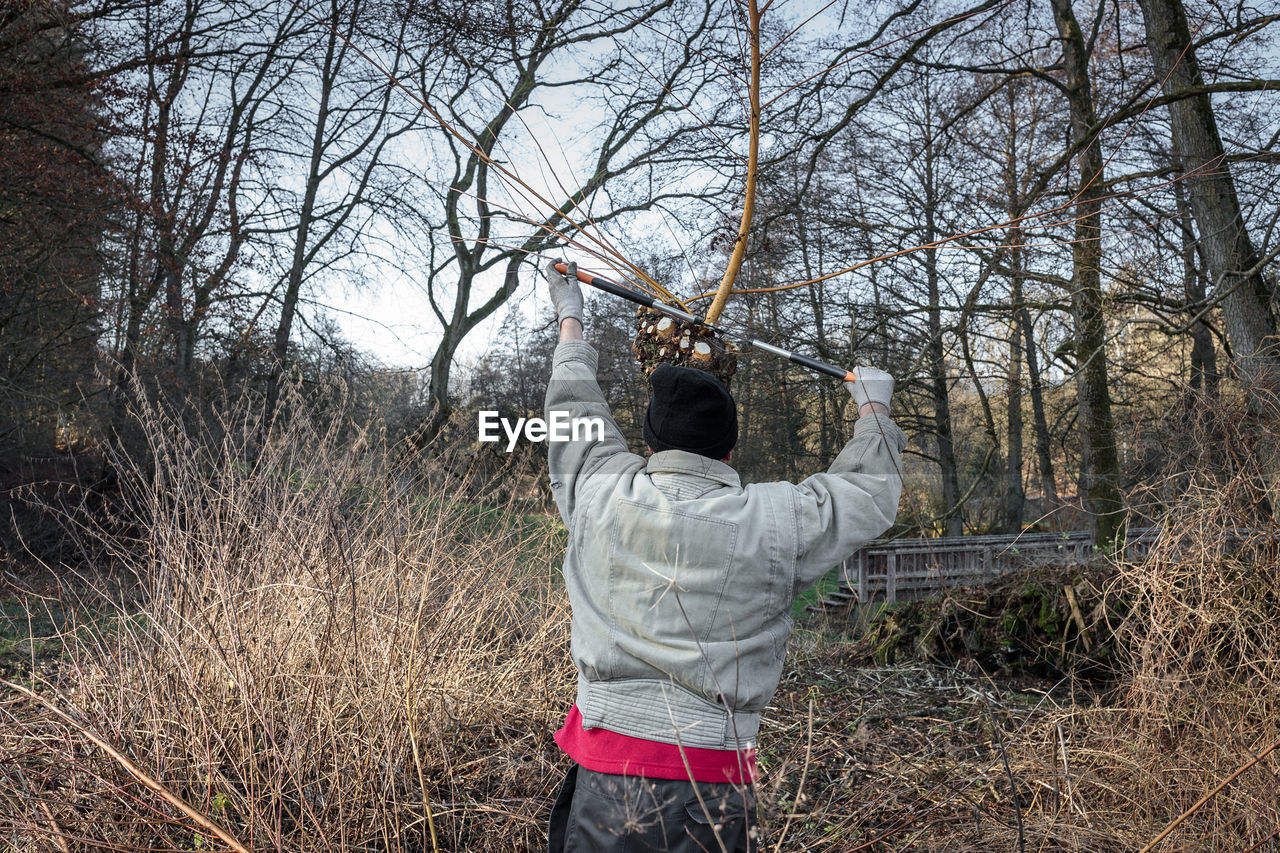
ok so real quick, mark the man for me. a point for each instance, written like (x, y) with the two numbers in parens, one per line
(681, 582)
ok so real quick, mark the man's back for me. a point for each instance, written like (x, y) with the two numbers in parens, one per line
(681, 579)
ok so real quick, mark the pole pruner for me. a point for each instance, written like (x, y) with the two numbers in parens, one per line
(640, 298)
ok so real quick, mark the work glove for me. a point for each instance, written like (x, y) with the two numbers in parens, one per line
(566, 295)
(872, 386)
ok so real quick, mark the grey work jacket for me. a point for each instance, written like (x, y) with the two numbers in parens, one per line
(681, 579)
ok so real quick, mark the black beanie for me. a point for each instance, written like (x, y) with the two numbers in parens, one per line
(690, 410)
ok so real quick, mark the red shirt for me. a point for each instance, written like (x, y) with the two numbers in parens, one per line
(609, 752)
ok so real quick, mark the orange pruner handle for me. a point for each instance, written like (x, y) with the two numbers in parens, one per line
(584, 277)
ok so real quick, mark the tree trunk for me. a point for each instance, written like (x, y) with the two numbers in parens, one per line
(1014, 496)
(1100, 467)
(829, 396)
(439, 401)
(1204, 358)
(938, 385)
(1013, 492)
(1229, 253)
(301, 238)
(1044, 454)
(177, 322)
(938, 380)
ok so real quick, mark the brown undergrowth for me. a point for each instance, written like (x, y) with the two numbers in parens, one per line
(1176, 749)
(319, 654)
(1177, 757)
(326, 649)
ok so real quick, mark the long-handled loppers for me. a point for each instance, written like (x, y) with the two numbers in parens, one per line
(641, 298)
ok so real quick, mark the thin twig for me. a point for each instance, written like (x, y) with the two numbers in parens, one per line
(1013, 785)
(702, 804)
(804, 772)
(56, 833)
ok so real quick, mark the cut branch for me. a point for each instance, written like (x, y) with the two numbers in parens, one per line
(753, 158)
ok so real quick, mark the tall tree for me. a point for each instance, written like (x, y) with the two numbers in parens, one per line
(189, 128)
(931, 156)
(1014, 496)
(1100, 465)
(910, 179)
(54, 201)
(338, 124)
(1232, 261)
(645, 87)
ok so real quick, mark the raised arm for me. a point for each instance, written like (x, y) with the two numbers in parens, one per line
(856, 499)
(574, 399)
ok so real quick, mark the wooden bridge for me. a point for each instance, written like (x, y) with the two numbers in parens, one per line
(906, 569)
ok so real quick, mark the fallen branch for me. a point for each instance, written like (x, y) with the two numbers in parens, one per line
(1164, 833)
(134, 770)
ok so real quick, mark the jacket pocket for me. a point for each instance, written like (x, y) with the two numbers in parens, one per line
(721, 818)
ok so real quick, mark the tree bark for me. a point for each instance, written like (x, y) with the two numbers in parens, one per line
(1100, 468)
(1044, 441)
(1204, 359)
(1014, 496)
(306, 217)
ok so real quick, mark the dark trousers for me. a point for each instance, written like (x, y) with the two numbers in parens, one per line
(603, 813)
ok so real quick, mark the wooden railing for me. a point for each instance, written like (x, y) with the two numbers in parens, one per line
(905, 569)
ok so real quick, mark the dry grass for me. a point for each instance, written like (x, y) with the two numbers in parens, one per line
(1178, 757)
(319, 656)
(327, 650)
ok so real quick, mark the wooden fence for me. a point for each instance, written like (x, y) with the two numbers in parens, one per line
(906, 569)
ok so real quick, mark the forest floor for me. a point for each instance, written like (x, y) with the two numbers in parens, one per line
(905, 756)
(31, 619)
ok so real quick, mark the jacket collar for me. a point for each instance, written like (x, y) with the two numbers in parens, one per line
(684, 462)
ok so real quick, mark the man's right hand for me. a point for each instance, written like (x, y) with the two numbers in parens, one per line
(872, 388)
(566, 295)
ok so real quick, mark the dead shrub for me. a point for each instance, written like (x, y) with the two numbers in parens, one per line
(1200, 695)
(321, 653)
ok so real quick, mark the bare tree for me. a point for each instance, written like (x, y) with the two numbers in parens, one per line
(190, 124)
(1014, 496)
(489, 222)
(1100, 466)
(1232, 261)
(336, 124)
(926, 167)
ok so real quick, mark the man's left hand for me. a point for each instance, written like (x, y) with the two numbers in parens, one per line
(873, 390)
